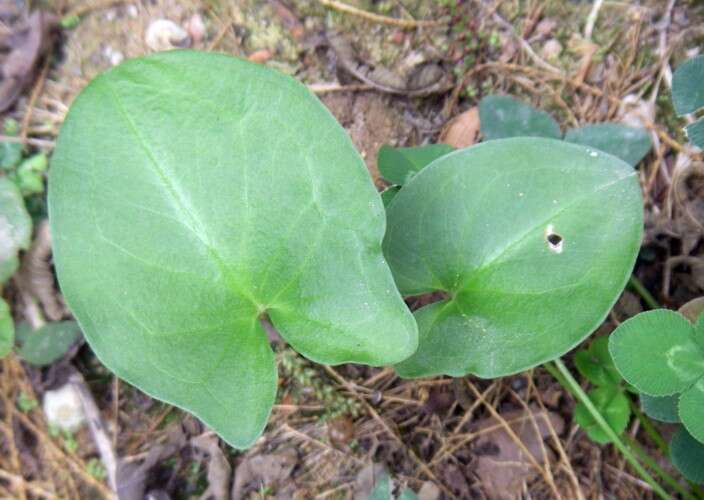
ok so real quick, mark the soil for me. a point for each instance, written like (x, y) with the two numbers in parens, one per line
(386, 84)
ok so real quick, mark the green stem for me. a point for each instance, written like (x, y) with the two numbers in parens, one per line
(640, 289)
(573, 386)
(643, 455)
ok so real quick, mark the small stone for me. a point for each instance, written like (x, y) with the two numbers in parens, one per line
(163, 34)
(551, 50)
(63, 408)
(195, 28)
(132, 11)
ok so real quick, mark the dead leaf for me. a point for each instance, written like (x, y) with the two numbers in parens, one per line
(462, 130)
(692, 309)
(502, 466)
(341, 431)
(27, 43)
(259, 56)
(219, 470)
(260, 471)
(429, 491)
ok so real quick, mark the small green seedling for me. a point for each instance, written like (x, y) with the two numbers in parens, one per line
(46, 344)
(504, 116)
(384, 490)
(193, 196)
(661, 353)
(688, 96)
(608, 395)
(15, 228)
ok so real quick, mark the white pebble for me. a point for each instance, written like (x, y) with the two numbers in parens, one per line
(163, 34)
(63, 408)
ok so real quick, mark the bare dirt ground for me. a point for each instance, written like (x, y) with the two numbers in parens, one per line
(392, 72)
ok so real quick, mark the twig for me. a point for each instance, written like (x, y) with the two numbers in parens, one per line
(526, 46)
(376, 18)
(40, 143)
(12, 478)
(38, 86)
(591, 19)
(327, 88)
(97, 428)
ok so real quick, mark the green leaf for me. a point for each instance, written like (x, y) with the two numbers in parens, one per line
(483, 225)
(695, 133)
(388, 194)
(399, 165)
(662, 408)
(688, 96)
(692, 409)
(10, 154)
(49, 343)
(687, 455)
(192, 193)
(656, 352)
(628, 143)
(7, 329)
(504, 116)
(613, 405)
(595, 363)
(687, 88)
(383, 489)
(15, 227)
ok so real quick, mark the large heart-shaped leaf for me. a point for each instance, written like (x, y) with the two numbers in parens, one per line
(190, 195)
(613, 405)
(7, 329)
(399, 165)
(688, 95)
(503, 116)
(531, 239)
(15, 227)
(688, 455)
(628, 143)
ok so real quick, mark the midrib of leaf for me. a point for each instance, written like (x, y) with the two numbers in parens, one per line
(495, 259)
(181, 202)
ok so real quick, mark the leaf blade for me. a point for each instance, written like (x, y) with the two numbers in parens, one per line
(503, 116)
(177, 228)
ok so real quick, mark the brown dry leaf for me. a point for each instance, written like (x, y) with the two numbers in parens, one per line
(27, 42)
(256, 472)
(692, 309)
(219, 470)
(260, 56)
(502, 466)
(462, 130)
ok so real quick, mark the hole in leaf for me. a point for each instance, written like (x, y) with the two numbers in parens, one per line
(554, 240)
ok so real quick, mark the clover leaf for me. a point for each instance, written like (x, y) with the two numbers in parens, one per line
(688, 95)
(15, 227)
(503, 116)
(662, 354)
(193, 194)
(613, 405)
(595, 363)
(399, 165)
(661, 408)
(687, 455)
(531, 240)
(628, 143)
